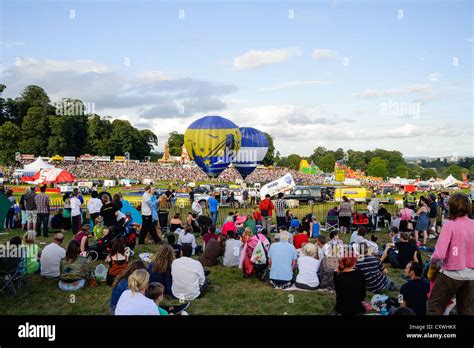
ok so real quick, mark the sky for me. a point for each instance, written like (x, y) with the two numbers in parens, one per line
(359, 75)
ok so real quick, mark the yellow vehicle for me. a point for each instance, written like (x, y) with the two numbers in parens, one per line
(357, 194)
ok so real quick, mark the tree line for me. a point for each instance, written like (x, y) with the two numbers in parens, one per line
(31, 124)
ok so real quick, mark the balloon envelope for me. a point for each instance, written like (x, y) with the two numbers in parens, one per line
(212, 142)
(253, 150)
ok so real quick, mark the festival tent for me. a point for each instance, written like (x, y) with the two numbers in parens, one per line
(49, 175)
(36, 166)
(450, 181)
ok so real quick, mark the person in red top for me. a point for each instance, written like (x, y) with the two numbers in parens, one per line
(228, 226)
(300, 239)
(266, 207)
(210, 234)
(256, 216)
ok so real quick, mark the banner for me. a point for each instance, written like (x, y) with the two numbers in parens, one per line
(282, 184)
(69, 159)
(340, 175)
(102, 158)
(119, 158)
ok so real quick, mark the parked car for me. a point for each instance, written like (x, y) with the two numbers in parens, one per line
(304, 194)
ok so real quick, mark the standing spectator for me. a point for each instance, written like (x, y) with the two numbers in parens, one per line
(107, 211)
(282, 261)
(9, 222)
(191, 197)
(23, 209)
(213, 204)
(75, 213)
(373, 208)
(196, 208)
(406, 214)
(51, 256)
(423, 223)
(454, 250)
(345, 210)
(43, 209)
(253, 195)
(245, 198)
(349, 284)
(415, 291)
(266, 207)
(233, 248)
(147, 225)
(189, 280)
(280, 206)
(31, 212)
(93, 206)
(433, 212)
(66, 212)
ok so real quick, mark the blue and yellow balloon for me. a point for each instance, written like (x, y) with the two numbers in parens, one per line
(254, 148)
(212, 142)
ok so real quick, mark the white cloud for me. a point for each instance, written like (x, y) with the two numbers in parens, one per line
(10, 44)
(291, 84)
(406, 90)
(256, 59)
(324, 53)
(434, 77)
(405, 131)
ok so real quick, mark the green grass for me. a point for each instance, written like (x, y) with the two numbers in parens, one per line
(229, 293)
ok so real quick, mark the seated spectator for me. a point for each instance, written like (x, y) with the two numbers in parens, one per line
(250, 223)
(308, 267)
(188, 238)
(373, 246)
(32, 252)
(133, 301)
(314, 228)
(155, 292)
(264, 231)
(358, 236)
(121, 283)
(396, 221)
(210, 234)
(51, 257)
(403, 311)
(176, 223)
(290, 235)
(214, 249)
(401, 253)
(228, 226)
(82, 238)
(75, 269)
(257, 216)
(324, 249)
(349, 284)
(229, 217)
(282, 261)
(189, 281)
(294, 224)
(175, 246)
(300, 239)
(192, 221)
(384, 215)
(394, 234)
(160, 267)
(375, 274)
(335, 244)
(99, 230)
(117, 260)
(233, 248)
(414, 293)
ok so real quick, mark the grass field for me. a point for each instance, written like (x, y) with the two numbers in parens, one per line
(229, 294)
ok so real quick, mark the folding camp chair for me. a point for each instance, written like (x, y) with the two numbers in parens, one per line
(11, 274)
(332, 223)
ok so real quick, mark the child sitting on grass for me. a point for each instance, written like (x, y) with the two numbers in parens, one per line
(155, 292)
(98, 230)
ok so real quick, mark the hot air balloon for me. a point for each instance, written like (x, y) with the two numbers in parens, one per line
(212, 142)
(252, 151)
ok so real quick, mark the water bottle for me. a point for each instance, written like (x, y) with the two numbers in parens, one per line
(384, 311)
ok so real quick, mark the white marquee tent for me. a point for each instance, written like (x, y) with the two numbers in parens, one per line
(33, 168)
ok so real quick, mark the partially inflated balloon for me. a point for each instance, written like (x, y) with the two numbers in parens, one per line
(212, 142)
(252, 151)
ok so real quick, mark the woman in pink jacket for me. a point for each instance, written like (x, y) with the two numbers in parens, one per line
(455, 251)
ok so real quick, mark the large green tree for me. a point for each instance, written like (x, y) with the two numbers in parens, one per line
(175, 142)
(326, 163)
(35, 131)
(378, 167)
(10, 136)
(294, 161)
(99, 130)
(455, 171)
(269, 158)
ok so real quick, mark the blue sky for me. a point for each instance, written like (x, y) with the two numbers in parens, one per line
(325, 77)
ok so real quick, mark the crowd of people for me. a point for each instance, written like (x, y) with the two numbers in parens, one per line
(280, 253)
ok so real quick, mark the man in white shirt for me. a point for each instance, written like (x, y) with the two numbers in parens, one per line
(51, 257)
(75, 213)
(197, 208)
(189, 280)
(373, 208)
(232, 252)
(93, 206)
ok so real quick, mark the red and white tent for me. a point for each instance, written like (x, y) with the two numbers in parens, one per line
(49, 175)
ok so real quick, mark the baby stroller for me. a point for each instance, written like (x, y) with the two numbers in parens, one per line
(163, 220)
(360, 219)
(123, 229)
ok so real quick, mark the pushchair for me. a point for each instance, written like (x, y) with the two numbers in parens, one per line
(163, 220)
(360, 219)
(123, 229)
